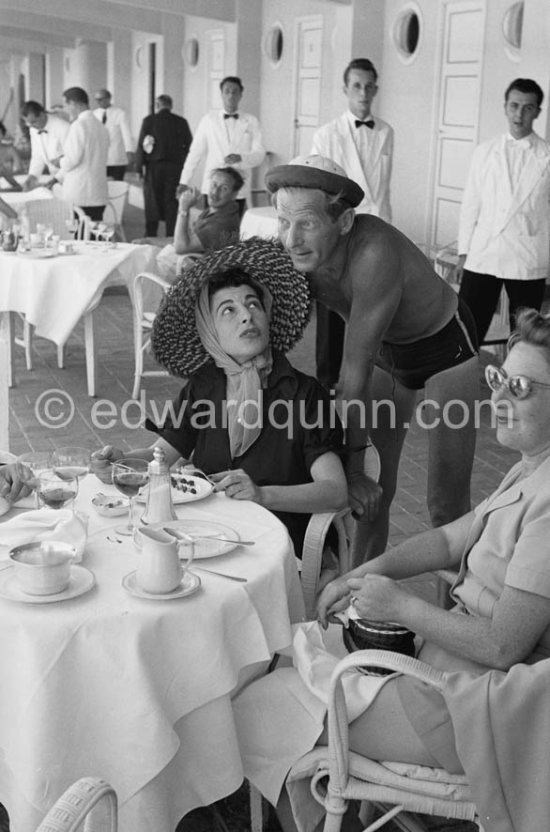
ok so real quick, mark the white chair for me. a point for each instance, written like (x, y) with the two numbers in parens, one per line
(143, 324)
(395, 788)
(316, 532)
(114, 210)
(79, 805)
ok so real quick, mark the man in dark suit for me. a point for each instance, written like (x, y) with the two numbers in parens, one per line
(163, 145)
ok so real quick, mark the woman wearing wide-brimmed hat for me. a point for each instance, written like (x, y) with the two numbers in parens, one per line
(261, 429)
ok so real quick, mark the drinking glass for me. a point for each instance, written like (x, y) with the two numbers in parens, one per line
(55, 492)
(108, 233)
(71, 462)
(129, 476)
(72, 226)
(40, 463)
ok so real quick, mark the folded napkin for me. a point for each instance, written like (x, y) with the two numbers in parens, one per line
(46, 524)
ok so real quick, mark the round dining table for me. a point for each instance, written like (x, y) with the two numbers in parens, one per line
(135, 690)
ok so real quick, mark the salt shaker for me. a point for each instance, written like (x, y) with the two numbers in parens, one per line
(159, 508)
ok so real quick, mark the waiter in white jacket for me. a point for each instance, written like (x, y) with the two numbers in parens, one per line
(83, 166)
(504, 231)
(226, 137)
(48, 134)
(362, 145)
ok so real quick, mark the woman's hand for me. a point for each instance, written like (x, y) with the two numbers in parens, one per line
(334, 598)
(237, 484)
(15, 481)
(377, 597)
(102, 462)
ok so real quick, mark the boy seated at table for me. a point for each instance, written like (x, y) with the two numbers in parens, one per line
(260, 429)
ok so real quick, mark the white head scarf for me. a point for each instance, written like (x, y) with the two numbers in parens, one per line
(244, 381)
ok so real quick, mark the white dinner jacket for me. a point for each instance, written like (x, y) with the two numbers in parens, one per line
(211, 144)
(84, 164)
(506, 232)
(336, 141)
(47, 146)
(120, 136)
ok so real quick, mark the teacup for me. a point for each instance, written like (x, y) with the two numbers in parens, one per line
(43, 567)
(160, 570)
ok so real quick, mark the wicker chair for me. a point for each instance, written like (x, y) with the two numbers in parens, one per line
(143, 324)
(78, 803)
(316, 532)
(395, 788)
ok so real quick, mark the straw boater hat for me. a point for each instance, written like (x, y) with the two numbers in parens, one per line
(315, 172)
(175, 340)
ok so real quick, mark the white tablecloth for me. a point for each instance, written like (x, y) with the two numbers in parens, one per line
(138, 691)
(259, 222)
(55, 292)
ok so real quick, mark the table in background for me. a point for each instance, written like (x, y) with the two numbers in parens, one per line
(55, 292)
(259, 222)
(136, 691)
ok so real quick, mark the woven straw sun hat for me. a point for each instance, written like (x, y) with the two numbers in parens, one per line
(175, 340)
(315, 172)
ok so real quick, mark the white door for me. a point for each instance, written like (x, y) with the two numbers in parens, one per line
(309, 37)
(458, 110)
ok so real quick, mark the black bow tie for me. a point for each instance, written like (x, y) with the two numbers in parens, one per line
(42, 131)
(369, 123)
(231, 115)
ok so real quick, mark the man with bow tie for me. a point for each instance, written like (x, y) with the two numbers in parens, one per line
(226, 137)
(504, 230)
(48, 136)
(363, 146)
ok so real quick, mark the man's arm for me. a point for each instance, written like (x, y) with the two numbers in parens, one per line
(38, 160)
(387, 154)
(469, 209)
(197, 152)
(185, 239)
(73, 149)
(255, 156)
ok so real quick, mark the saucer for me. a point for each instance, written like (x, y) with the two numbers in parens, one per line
(190, 584)
(81, 581)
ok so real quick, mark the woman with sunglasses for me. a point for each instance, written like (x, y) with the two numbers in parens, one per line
(502, 594)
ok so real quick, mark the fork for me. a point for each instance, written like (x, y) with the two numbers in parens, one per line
(187, 538)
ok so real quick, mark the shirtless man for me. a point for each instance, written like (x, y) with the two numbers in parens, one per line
(406, 331)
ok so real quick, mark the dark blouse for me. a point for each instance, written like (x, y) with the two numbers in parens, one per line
(300, 424)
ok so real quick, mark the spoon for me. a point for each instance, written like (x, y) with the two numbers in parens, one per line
(187, 538)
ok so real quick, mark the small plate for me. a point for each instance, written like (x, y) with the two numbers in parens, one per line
(39, 253)
(110, 506)
(195, 489)
(81, 581)
(189, 585)
(209, 528)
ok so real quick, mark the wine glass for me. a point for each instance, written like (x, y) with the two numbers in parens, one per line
(40, 463)
(129, 476)
(55, 492)
(71, 462)
(108, 234)
(72, 226)
(48, 234)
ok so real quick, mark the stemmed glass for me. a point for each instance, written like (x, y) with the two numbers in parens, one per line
(97, 229)
(40, 463)
(55, 492)
(71, 462)
(108, 233)
(129, 476)
(72, 226)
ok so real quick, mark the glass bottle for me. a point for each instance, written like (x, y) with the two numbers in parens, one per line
(159, 508)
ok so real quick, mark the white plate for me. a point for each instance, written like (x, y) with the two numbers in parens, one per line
(189, 585)
(202, 489)
(110, 506)
(199, 527)
(81, 581)
(39, 253)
